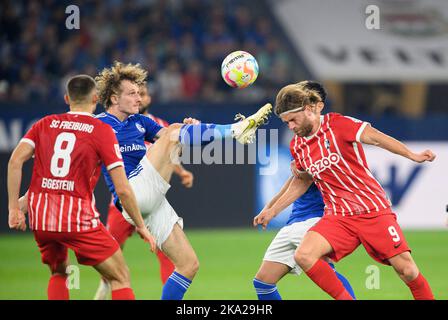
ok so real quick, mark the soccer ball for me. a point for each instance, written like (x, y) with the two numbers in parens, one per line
(239, 69)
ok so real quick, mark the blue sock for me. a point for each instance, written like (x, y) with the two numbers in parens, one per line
(266, 291)
(344, 281)
(203, 133)
(175, 287)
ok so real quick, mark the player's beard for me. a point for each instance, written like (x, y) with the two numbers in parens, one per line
(305, 129)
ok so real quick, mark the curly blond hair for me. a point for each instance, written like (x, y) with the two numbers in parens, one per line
(298, 95)
(109, 80)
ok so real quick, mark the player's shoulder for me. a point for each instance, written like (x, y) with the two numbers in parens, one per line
(337, 118)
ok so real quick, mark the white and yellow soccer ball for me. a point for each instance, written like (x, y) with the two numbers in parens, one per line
(239, 69)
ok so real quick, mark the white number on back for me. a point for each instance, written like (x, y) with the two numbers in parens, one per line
(64, 154)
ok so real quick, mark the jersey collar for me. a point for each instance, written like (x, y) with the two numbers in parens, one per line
(81, 112)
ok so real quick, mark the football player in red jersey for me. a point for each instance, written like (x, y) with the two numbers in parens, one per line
(68, 150)
(120, 229)
(327, 150)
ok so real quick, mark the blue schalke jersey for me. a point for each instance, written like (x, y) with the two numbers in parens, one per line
(309, 205)
(131, 135)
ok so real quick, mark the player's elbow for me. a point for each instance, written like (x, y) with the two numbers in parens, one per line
(123, 191)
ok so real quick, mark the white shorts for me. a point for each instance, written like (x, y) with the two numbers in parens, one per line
(285, 243)
(150, 190)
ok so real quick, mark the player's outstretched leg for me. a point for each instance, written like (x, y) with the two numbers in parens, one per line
(265, 281)
(242, 131)
(178, 249)
(408, 271)
(57, 287)
(309, 257)
(115, 271)
(165, 151)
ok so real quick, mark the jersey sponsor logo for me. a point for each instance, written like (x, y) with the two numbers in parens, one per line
(133, 147)
(323, 164)
(140, 128)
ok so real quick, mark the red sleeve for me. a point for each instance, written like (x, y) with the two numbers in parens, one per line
(295, 155)
(32, 136)
(350, 129)
(108, 147)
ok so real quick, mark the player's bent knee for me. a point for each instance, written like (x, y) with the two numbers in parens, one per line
(409, 271)
(305, 259)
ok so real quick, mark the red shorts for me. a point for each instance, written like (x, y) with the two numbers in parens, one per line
(118, 227)
(91, 247)
(379, 233)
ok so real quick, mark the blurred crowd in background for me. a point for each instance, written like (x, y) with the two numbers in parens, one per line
(181, 43)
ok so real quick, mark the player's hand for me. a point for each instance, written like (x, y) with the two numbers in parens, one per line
(264, 217)
(16, 220)
(186, 178)
(23, 204)
(147, 237)
(191, 121)
(426, 155)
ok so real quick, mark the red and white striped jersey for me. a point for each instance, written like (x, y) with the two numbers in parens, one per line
(159, 121)
(335, 158)
(68, 152)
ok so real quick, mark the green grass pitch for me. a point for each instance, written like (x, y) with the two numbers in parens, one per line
(229, 260)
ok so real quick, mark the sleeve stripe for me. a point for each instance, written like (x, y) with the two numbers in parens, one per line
(114, 165)
(29, 141)
(360, 130)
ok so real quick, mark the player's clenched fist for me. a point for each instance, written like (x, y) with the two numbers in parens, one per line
(147, 237)
(264, 217)
(426, 155)
(17, 220)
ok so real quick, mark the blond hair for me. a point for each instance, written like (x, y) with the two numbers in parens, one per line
(296, 96)
(109, 80)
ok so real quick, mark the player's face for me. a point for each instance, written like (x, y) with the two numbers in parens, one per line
(301, 122)
(129, 99)
(146, 99)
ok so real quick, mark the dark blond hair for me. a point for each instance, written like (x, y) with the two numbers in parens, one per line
(109, 80)
(296, 96)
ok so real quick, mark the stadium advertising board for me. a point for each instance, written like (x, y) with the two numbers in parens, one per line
(353, 40)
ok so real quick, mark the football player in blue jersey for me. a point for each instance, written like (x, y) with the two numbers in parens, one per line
(149, 170)
(279, 257)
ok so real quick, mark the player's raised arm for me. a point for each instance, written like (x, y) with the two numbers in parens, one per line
(22, 153)
(296, 188)
(375, 137)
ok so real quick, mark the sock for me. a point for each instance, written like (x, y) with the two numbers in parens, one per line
(204, 133)
(324, 276)
(266, 291)
(123, 294)
(420, 288)
(175, 287)
(57, 288)
(344, 281)
(166, 266)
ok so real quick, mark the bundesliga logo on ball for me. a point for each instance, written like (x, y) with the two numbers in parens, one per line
(239, 69)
